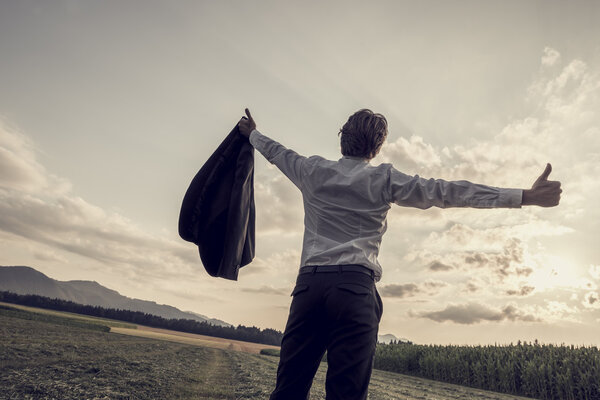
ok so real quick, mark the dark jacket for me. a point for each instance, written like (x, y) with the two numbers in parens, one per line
(217, 212)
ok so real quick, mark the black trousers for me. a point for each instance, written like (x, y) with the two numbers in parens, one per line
(334, 311)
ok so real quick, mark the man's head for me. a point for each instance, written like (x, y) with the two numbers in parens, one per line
(363, 134)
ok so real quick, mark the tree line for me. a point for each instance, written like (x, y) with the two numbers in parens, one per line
(542, 371)
(240, 332)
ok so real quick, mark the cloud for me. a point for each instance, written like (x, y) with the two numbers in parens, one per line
(400, 291)
(559, 311)
(279, 206)
(411, 154)
(434, 285)
(49, 255)
(41, 208)
(430, 287)
(560, 105)
(503, 264)
(19, 168)
(510, 252)
(473, 313)
(267, 290)
(500, 254)
(571, 74)
(522, 291)
(591, 300)
(525, 271)
(472, 287)
(550, 57)
(71, 224)
(279, 265)
(594, 271)
(440, 266)
(511, 313)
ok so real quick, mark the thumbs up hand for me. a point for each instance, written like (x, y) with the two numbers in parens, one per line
(543, 193)
(246, 124)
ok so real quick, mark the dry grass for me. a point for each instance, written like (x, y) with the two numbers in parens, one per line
(193, 339)
(53, 358)
(81, 317)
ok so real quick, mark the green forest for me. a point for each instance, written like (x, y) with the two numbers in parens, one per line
(542, 371)
(241, 332)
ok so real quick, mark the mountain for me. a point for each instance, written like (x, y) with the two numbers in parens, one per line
(389, 337)
(26, 280)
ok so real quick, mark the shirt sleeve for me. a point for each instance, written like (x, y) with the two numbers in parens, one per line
(414, 191)
(288, 161)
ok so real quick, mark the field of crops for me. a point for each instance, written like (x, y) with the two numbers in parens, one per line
(544, 371)
(62, 356)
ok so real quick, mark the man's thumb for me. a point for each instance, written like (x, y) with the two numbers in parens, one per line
(546, 173)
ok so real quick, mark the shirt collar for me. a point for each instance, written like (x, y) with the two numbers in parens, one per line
(365, 160)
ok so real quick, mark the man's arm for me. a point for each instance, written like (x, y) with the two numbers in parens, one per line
(413, 191)
(288, 161)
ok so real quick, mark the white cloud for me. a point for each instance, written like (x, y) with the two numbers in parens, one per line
(266, 289)
(559, 312)
(277, 267)
(410, 154)
(19, 168)
(279, 208)
(49, 255)
(551, 56)
(595, 271)
(562, 128)
(41, 208)
(514, 252)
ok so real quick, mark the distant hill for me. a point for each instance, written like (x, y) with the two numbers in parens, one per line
(389, 338)
(27, 280)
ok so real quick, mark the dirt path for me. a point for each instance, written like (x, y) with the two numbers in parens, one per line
(215, 377)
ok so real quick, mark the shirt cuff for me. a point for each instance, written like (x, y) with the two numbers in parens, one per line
(511, 198)
(253, 137)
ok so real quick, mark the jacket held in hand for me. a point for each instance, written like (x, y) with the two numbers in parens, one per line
(217, 212)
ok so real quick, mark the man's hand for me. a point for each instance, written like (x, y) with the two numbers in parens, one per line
(246, 125)
(543, 193)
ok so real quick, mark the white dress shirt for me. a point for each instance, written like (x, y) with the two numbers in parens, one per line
(346, 201)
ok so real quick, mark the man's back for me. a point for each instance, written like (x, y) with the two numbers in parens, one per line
(345, 207)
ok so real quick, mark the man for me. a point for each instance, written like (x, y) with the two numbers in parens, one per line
(336, 306)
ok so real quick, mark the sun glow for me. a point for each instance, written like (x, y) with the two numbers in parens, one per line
(557, 272)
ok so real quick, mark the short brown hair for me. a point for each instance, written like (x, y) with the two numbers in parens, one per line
(363, 134)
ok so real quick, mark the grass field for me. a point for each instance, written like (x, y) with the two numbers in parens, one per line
(192, 338)
(53, 355)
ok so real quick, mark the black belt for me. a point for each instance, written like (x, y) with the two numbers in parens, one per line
(337, 268)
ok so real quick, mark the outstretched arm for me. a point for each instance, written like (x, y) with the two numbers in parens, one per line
(414, 191)
(287, 160)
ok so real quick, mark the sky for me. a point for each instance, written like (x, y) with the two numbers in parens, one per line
(108, 109)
